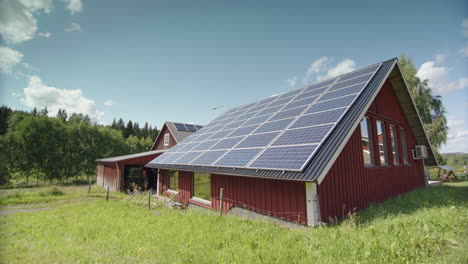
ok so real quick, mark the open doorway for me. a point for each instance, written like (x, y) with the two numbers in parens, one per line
(136, 177)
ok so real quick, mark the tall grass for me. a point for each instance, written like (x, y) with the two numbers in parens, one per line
(425, 226)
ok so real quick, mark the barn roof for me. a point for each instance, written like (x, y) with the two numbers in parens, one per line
(130, 156)
(296, 135)
(179, 131)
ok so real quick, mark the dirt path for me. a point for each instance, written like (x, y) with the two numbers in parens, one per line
(6, 191)
(5, 210)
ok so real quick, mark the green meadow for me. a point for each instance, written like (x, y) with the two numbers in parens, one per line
(70, 225)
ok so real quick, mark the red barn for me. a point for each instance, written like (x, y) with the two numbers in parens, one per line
(120, 172)
(308, 155)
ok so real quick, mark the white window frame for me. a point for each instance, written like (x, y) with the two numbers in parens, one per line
(198, 199)
(383, 127)
(166, 139)
(370, 143)
(394, 144)
(404, 146)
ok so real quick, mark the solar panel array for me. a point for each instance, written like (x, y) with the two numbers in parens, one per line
(281, 132)
(187, 127)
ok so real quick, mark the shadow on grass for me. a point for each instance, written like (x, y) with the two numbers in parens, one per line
(422, 198)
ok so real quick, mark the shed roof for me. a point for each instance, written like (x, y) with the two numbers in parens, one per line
(320, 156)
(130, 156)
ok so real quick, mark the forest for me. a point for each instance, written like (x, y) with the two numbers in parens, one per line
(42, 147)
(456, 159)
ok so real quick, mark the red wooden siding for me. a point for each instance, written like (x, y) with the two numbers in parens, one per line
(108, 175)
(349, 185)
(282, 199)
(160, 140)
(279, 198)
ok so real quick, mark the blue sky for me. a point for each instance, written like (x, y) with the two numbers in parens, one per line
(151, 61)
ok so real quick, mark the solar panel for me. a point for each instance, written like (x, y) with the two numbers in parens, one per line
(330, 116)
(227, 143)
(297, 103)
(274, 126)
(243, 131)
(237, 157)
(283, 158)
(188, 157)
(187, 127)
(258, 140)
(207, 158)
(303, 135)
(288, 113)
(281, 132)
(327, 105)
(257, 120)
(180, 127)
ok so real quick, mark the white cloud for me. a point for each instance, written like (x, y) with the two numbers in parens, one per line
(292, 81)
(39, 95)
(74, 6)
(9, 58)
(464, 50)
(37, 5)
(108, 102)
(438, 77)
(342, 67)
(73, 27)
(17, 24)
(15, 94)
(465, 27)
(457, 138)
(323, 69)
(440, 58)
(317, 66)
(44, 35)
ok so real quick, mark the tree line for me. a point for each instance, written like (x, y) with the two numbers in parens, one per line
(36, 146)
(456, 159)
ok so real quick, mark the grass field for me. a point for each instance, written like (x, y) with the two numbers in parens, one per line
(428, 225)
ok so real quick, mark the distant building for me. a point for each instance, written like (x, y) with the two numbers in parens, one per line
(120, 172)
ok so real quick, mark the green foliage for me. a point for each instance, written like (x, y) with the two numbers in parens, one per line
(429, 106)
(58, 148)
(456, 159)
(425, 226)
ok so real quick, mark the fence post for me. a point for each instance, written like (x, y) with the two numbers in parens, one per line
(149, 198)
(89, 182)
(221, 202)
(107, 197)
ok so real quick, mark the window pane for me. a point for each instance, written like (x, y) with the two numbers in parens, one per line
(174, 180)
(202, 185)
(382, 140)
(366, 140)
(404, 145)
(394, 139)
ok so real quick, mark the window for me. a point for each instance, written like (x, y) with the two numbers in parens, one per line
(394, 139)
(202, 186)
(173, 183)
(366, 139)
(404, 145)
(166, 139)
(382, 140)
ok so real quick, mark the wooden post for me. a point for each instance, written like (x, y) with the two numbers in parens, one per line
(89, 182)
(107, 198)
(149, 198)
(221, 202)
